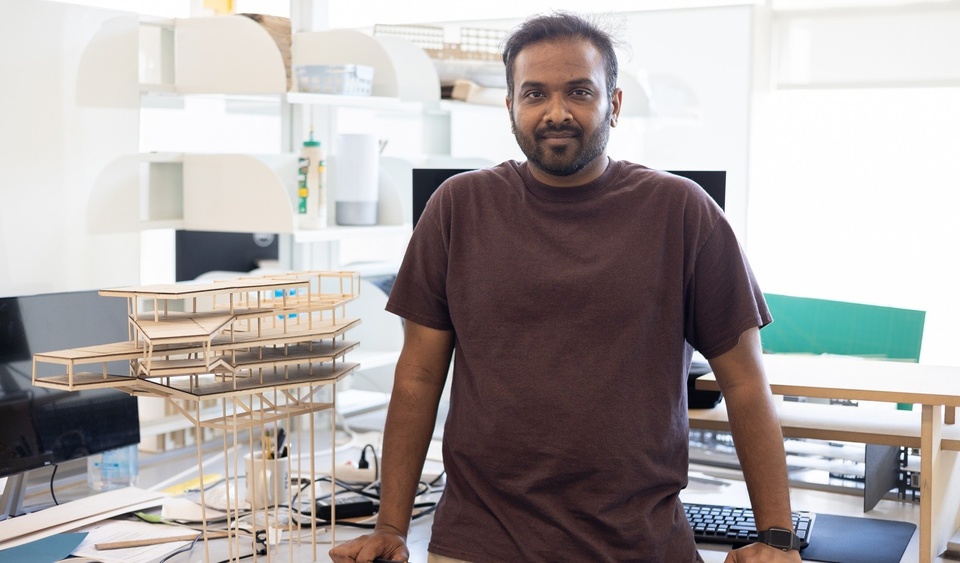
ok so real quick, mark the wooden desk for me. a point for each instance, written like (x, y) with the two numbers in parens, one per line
(935, 388)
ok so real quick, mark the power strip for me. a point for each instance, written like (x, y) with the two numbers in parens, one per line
(353, 474)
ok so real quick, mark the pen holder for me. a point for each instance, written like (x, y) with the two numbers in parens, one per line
(267, 481)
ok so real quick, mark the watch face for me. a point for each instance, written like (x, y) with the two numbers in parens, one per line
(780, 538)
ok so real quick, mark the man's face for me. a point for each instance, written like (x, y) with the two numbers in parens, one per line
(560, 111)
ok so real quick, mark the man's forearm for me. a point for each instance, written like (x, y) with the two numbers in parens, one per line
(756, 430)
(757, 435)
(409, 428)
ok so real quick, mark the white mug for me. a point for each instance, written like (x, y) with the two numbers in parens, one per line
(268, 483)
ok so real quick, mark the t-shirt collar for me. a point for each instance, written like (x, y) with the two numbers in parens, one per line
(572, 193)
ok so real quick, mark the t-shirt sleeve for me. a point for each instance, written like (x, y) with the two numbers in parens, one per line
(723, 297)
(419, 293)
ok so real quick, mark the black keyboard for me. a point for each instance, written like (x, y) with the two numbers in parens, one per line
(713, 523)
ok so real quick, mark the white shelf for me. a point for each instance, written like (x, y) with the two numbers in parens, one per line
(386, 103)
(137, 192)
(204, 192)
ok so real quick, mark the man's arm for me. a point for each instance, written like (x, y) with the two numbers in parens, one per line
(418, 382)
(758, 438)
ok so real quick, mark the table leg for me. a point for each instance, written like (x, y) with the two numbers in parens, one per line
(939, 490)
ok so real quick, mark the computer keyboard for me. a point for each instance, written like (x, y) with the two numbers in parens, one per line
(713, 523)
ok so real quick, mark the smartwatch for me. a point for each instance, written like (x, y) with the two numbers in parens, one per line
(780, 538)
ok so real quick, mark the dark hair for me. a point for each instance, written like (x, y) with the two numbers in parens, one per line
(560, 25)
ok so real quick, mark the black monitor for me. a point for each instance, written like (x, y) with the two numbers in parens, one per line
(714, 182)
(40, 426)
(199, 252)
(427, 180)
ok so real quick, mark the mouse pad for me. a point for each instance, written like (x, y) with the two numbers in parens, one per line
(844, 539)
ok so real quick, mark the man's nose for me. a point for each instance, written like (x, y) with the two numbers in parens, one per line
(557, 111)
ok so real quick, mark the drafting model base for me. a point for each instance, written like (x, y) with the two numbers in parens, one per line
(263, 347)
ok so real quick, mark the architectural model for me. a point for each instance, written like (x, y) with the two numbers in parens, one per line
(264, 347)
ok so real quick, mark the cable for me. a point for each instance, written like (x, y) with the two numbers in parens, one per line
(259, 537)
(53, 494)
(183, 549)
(364, 464)
(371, 491)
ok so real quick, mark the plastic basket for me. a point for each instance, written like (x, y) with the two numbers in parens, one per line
(348, 80)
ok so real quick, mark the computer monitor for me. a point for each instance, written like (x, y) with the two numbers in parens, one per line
(714, 182)
(199, 252)
(427, 180)
(41, 426)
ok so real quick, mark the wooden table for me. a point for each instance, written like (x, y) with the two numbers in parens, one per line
(935, 388)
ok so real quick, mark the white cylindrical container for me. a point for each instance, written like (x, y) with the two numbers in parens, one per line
(356, 176)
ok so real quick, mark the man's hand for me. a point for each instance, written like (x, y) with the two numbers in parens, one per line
(762, 553)
(364, 549)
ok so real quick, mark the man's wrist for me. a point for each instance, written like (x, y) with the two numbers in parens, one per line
(388, 529)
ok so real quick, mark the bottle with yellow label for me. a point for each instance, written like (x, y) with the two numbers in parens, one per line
(311, 201)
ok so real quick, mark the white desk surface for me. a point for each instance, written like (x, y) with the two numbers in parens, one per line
(844, 377)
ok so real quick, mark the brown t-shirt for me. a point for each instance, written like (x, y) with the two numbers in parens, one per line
(575, 312)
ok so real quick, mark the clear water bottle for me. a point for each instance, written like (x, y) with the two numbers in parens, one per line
(113, 469)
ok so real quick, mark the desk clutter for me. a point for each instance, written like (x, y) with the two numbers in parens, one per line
(267, 349)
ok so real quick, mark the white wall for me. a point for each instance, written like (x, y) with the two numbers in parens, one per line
(855, 190)
(68, 108)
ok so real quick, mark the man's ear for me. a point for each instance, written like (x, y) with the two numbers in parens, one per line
(615, 100)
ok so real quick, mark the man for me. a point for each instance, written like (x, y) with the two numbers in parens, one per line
(572, 289)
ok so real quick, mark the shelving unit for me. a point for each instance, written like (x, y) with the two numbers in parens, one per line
(236, 57)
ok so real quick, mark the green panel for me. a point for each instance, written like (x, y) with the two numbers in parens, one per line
(819, 326)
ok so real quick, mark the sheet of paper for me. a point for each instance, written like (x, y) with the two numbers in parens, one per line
(186, 511)
(72, 515)
(126, 530)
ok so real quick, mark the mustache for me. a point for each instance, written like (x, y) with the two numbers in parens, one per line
(554, 128)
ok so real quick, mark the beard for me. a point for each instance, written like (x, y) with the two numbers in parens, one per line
(562, 160)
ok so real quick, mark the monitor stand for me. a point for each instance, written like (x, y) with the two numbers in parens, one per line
(11, 502)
